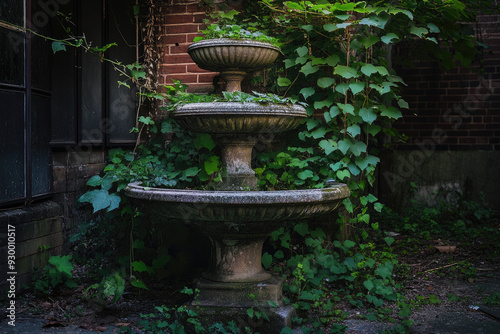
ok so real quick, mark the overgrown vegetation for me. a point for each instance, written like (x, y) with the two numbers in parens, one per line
(335, 60)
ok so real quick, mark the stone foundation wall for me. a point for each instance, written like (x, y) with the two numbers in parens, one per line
(32, 234)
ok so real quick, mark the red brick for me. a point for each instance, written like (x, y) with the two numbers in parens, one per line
(173, 69)
(173, 39)
(184, 78)
(193, 68)
(194, 8)
(178, 49)
(198, 18)
(206, 78)
(467, 140)
(181, 29)
(178, 19)
(176, 59)
(190, 37)
(176, 9)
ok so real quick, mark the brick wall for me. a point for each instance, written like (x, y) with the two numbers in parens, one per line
(457, 109)
(182, 21)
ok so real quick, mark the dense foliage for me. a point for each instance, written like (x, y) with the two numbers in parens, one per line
(336, 59)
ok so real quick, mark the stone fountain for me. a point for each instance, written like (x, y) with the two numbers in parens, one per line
(236, 217)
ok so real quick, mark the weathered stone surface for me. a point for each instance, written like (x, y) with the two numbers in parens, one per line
(232, 54)
(238, 212)
(239, 118)
(239, 294)
(279, 318)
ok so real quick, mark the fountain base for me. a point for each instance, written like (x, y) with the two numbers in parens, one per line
(277, 318)
(217, 302)
(239, 294)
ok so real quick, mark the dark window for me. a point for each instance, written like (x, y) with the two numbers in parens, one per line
(25, 167)
(105, 113)
(65, 99)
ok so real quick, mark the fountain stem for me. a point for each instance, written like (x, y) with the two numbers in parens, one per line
(233, 80)
(237, 157)
(237, 260)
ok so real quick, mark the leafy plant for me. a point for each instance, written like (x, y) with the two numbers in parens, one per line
(234, 31)
(360, 273)
(56, 273)
(493, 299)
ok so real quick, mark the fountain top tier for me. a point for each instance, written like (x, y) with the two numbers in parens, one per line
(233, 58)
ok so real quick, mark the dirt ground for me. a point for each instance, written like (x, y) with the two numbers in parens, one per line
(443, 286)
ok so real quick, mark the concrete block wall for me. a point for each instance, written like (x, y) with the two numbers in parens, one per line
(72, 169)
(31, 234)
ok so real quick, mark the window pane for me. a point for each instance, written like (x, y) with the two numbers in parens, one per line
(121, 100)
(91, 76)
(12, 11)
(41, 158)
(64, 87)
(11, 57)
(11, 145)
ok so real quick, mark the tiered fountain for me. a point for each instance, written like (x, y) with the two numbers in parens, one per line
(237, 218)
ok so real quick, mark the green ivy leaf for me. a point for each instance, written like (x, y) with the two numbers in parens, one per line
(390, 112)
(368, 285)
(330, 27)
(101, 200)
(343, 174)
(332, 60)
(193, 171)
(114, 202)
(267, 259)
(319, 133)
(368, 115)
(307, 91)
(389, 38)
(419, 31)
(58, 46)
(322, 104)
(204, 140)
(308, 68)
(356, 87)
(94, 181)
(346, 72)
(342, 88)
(302, 51)
(211, 165)
(138, 284)
(433, 28)
(344, 145)
(358, 148)
(389, 240)
(306, 174)
(327, 146)
(284, 82)
(334, 111)
(354, 130)
(325, 82)
(62, 264)
(301, 229)
(139, 266)
(346, 108)
(369, 41)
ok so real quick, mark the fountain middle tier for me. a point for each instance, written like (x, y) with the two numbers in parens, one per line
(237, 128)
